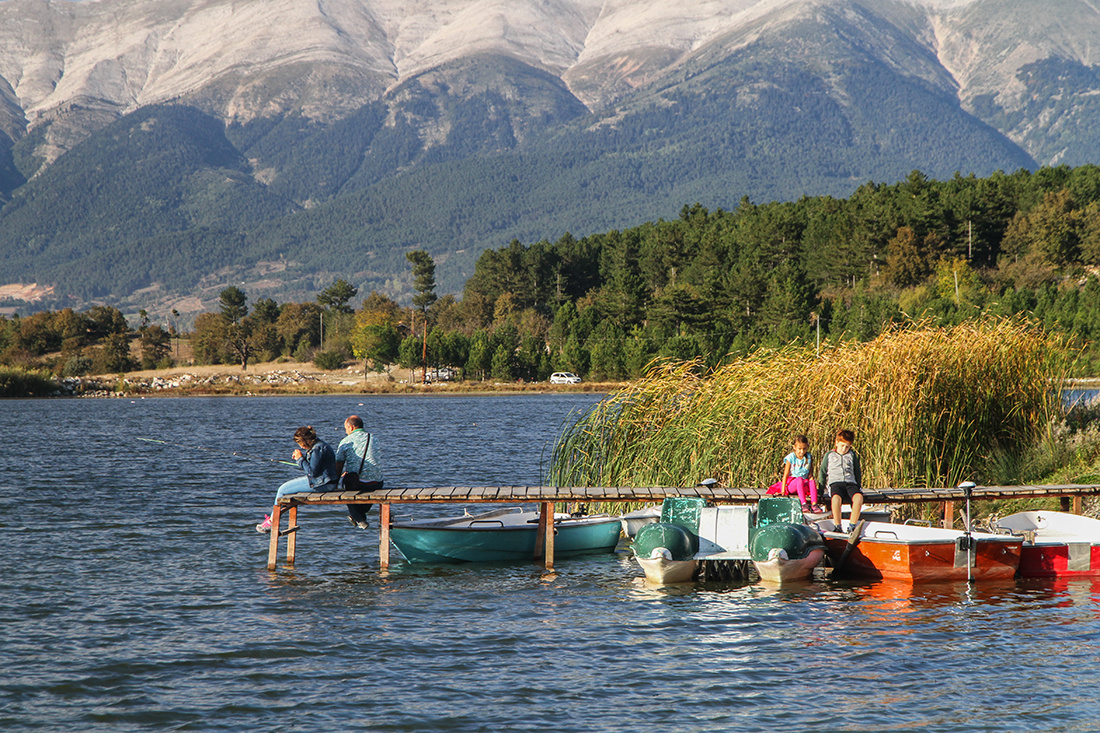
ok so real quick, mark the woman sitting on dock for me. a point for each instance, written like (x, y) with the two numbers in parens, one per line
(319, 464)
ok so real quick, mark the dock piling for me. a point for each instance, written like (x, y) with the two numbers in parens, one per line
(546, 521)
(291, 533)
(273, 541)
(384, 536)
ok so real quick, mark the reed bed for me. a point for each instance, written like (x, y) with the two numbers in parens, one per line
(16, 382)
(929, 407)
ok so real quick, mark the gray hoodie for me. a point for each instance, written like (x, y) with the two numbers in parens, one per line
(840, 469)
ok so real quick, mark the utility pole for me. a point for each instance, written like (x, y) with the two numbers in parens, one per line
(817, 322)
(176, 330)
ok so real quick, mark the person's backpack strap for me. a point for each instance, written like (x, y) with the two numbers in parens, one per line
(365, 449)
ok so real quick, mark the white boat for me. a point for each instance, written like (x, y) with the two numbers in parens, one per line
(1055, 544)
(635, 520)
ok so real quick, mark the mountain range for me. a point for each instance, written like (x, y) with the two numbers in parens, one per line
(153, 151)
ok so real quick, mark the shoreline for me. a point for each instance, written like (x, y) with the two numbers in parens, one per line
(291, 378)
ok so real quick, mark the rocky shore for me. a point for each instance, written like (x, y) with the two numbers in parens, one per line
(296, 378)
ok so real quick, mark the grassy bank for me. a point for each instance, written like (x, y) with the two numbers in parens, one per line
(929, 406)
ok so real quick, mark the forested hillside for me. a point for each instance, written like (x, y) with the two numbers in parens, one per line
(166, 195)
(705, 284)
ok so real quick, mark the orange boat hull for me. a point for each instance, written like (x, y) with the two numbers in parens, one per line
(927, 561)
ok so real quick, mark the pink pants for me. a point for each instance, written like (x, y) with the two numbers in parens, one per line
(800, 486)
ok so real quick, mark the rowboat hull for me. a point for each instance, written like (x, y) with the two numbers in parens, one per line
(666, 553)
(501, 537)
(663, 570)
(784, 552)
(1060, 561)
(1056, 544)
(780, 569)
(925, 554)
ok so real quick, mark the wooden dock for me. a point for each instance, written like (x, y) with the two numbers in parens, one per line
(547, 496)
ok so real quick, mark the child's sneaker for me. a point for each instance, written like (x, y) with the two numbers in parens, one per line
(264, 526)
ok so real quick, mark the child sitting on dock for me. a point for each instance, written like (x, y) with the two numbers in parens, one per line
(840, 471)
(797, 468)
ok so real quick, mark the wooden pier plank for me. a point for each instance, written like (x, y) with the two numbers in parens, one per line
(550, 495)
(654, 494)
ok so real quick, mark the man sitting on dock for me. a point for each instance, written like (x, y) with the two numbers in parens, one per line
(357, 462)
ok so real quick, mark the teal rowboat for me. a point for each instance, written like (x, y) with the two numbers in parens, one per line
(501, 535)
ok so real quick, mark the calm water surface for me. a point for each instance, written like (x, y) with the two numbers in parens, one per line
(136, 598)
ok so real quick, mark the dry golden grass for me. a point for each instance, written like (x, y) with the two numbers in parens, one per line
(928, 406)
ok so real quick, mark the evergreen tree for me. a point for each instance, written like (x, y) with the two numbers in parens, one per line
(503, 366)
(155, 346)
(336, 296)
(233, 304)
(480, 360)
(376, 345)
(265, 310)
(424, 284)
(116, 353)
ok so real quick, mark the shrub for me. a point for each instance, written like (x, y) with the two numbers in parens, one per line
(15, 382)
(77, 366)
(303, 353)
(329, 359)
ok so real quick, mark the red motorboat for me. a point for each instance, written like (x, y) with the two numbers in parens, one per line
(1055, 544)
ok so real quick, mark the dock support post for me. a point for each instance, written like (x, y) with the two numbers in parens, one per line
(1077, 508)
(273, 542)
(540, 532)
(384, 536)
(1063, 503)
(546, 521)
(948, 514)
(292, 533)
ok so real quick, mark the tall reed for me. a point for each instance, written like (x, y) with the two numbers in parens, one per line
(929, 406)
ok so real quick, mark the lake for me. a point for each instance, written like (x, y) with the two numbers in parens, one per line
(136, 599)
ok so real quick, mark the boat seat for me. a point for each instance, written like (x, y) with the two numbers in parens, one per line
(779, 510)
(684, 511)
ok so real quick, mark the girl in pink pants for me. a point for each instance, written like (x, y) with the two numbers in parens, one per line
(797, 470)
